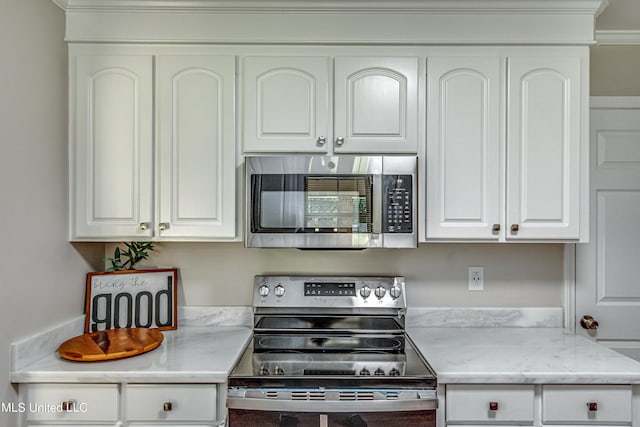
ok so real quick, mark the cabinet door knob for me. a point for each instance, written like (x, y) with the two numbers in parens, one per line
(339, 140)
(167, 406)
(321, 140)
(495, 228)
(493, 406)
(593, 406)
(589, 323)
(515, 228)
(163, 226)
(144, 226)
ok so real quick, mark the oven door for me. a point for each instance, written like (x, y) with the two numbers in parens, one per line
(299, 407)
(314, 201)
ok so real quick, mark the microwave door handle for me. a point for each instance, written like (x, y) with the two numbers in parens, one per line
(377, 205)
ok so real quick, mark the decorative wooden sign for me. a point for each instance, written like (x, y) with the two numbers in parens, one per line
(132, 299)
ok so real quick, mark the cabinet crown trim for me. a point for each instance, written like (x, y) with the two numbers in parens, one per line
(380, 6)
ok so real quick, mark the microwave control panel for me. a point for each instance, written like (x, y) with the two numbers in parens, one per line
(397, 204)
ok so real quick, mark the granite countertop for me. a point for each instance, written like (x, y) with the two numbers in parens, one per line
(193, 354)
(521, 355)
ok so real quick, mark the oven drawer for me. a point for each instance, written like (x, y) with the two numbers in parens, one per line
(578, 404)
(482, 403)
(172, 402)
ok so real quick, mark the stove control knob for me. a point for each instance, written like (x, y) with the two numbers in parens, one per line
(380, 292)
(379, 372)
(278, 371)
(263, 290)
(264, 370)
(365, 372)
(278, 291)
(365, 291)
(394, 372)
(395, 292)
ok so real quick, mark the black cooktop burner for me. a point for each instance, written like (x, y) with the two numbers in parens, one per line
(327, 343)
(335, 323)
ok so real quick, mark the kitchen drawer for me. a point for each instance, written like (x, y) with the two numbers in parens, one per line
(172, 402)
(72, 402)
(480, 403)
(569, 403)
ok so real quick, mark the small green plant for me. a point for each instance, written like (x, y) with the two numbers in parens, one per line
(124, 260)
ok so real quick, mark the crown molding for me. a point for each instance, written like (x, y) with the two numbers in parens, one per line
(618, 37)
(382, 6)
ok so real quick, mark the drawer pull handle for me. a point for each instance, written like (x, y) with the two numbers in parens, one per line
(495, 228)
(515, 228)
(68, 405)
(493, 406)
(167, 406)
(593, 406)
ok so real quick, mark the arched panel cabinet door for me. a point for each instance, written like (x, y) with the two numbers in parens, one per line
(111, 149)
(376, 105)
(286, 104)
(464, 145)
(544, 133)
(195, 176)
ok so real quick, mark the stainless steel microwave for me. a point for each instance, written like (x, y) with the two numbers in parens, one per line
(331, 202)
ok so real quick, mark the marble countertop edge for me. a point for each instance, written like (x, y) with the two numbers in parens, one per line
(550, 378)
(117, 377)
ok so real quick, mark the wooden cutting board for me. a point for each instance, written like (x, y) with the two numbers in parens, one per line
(110, 344)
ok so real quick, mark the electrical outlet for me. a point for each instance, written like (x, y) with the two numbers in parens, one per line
(476, 278)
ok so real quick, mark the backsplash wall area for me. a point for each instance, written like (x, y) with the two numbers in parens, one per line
(515, 275)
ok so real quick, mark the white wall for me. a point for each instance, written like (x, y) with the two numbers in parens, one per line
(515, 275)
(41, 274)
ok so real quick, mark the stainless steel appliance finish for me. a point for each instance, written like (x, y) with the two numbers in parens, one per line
(331, 202)
(331, 351)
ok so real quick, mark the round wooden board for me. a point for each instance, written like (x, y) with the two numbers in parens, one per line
(110, 344)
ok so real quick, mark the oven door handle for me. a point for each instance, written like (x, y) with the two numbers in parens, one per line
(324, 406)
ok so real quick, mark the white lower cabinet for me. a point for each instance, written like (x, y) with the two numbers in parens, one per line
(158, 404)
(487, 404)
(539, 405)
(574, 404)
(121, 405)
(70, 404)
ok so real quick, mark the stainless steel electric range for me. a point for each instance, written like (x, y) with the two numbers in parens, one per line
(331, 351)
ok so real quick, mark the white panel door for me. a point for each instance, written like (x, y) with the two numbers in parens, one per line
(196, 146)
(376, 105)
(606, 276)
(286, 104)
(543, 147)
(112, 146)
(464, 146)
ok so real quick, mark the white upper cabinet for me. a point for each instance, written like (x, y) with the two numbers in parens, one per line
(544, 145)
(376, 105)
(286, 104)
(504, 149)
(125, 129)
(112, 146)
(464, 145)
(196, 146)
(291, 105)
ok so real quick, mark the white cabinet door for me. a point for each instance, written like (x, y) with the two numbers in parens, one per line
(544, 133)
(286, 104)
(196, 146)
(111, 146)
(376, 105)
(464, 146)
